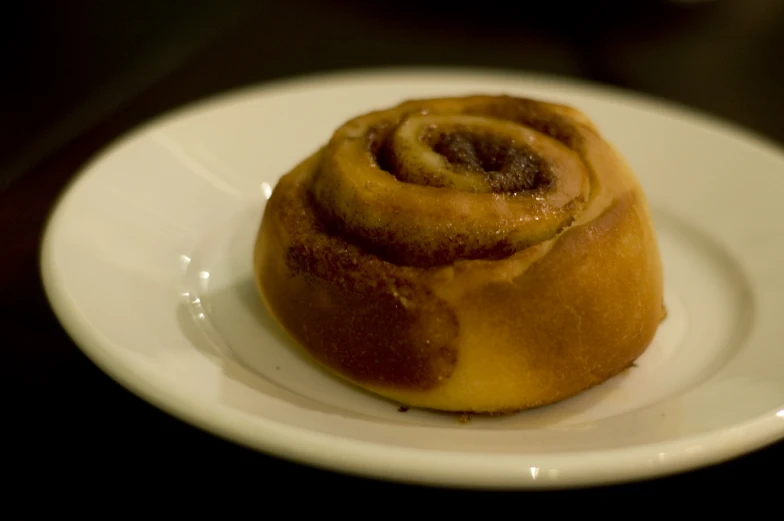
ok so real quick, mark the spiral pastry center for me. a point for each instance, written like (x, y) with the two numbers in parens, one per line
(466, 153)
(429, 186)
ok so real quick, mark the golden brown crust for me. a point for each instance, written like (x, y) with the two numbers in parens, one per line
(431, 278)
(396, 331)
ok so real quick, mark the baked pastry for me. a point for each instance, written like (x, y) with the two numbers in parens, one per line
(474, 254)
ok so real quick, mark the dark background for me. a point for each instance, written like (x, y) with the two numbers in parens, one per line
(76, 74)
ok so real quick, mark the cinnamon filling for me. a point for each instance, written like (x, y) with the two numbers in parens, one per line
(507, 166)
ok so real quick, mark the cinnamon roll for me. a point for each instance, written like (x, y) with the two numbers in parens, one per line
(473, 254)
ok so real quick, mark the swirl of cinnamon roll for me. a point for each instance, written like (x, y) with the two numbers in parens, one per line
(480, 253)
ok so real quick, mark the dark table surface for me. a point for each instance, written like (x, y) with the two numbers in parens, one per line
(79, 74)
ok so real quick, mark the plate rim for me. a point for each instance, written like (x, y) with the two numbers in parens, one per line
(443, 468)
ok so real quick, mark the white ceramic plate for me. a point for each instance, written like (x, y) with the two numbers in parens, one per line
(147, 263)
